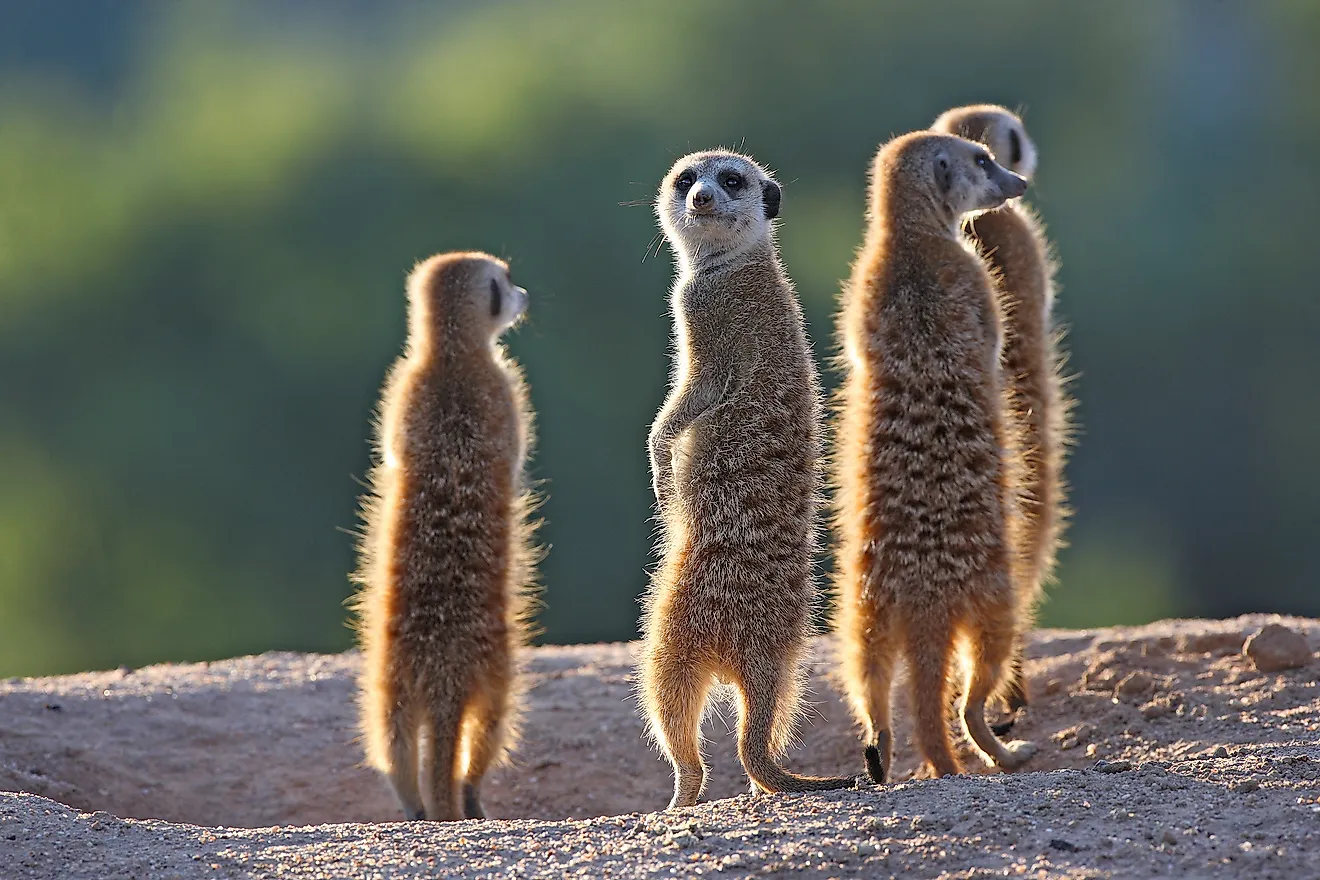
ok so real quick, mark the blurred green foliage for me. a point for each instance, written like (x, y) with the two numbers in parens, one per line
(207, 212)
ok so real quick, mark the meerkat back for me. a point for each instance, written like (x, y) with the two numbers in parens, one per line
(925, 569)
(1013, 242)
(446, 561)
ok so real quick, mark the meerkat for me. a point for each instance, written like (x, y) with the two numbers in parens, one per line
(734, 457)
(446, 558)
(1012, 239)
(926, 565)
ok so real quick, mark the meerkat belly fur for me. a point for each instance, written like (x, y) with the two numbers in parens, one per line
(734, 457)
(446, 559)
(1012, 240)
(926, 566)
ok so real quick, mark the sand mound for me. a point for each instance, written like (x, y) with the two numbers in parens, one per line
(1216, 772)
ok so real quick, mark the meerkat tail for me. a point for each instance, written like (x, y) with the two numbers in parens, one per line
(441, 739)
(759, 710)
(929, 653)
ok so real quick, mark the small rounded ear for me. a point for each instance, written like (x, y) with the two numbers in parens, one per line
(771, 195)
(943, 173)
(1015, 146)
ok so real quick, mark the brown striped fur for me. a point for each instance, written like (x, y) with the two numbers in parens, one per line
(446, 557)
(1012, 240)
(734, 455)
(925, 493)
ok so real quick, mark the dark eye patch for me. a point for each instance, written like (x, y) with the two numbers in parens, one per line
(684, 181)
(733, 182)
(494, 298)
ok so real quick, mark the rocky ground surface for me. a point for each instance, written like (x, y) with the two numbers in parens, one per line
(1208, 766)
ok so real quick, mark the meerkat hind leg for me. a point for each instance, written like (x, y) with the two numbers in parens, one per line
(877, 678)
(1015, 697)
(990, 647)
(676, 695)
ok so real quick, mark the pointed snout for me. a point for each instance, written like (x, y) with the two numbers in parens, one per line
(701, 198)
(1011, 185)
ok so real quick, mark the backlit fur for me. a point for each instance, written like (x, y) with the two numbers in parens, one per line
(925, 489)
(446, 558)
(735, 459)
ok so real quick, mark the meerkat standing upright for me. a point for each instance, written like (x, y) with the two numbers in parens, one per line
(446, 557)
(926, 563)
(734, 459)
(1012, 240)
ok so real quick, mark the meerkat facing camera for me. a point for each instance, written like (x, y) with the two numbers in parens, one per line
(926, 565)
(1012, 240)
(446, 558)
(734, 458)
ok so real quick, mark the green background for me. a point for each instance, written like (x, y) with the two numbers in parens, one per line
(207, 211)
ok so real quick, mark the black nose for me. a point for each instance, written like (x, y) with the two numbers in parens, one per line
(701, 198)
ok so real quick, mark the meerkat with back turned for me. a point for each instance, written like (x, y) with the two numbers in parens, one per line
(1012, 240)
(926, 564)
(734, 458)
(446, 560)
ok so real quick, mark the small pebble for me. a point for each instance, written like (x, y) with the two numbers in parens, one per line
(1219, 752)
(1244, 786)
(1134, 685)
(1063, 845)
(1169, 838)
(1275, 648)
(1118, 766)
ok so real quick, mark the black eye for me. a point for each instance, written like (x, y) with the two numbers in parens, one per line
(733, 182)
(984, 161)
(684, 181)
(494, 298)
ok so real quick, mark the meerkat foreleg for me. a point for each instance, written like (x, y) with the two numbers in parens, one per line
(699, 395)
(991, 643)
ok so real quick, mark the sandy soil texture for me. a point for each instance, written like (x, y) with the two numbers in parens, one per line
(248, 768)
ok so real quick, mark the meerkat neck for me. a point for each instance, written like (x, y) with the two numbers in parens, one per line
(916, 214)
(704, 260)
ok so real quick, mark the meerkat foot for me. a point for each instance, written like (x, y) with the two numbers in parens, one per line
(472, 808)
(417, 815)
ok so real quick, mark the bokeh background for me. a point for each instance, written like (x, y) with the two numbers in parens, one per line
(207, 211)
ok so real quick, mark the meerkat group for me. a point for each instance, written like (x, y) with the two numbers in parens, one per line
(950, 431)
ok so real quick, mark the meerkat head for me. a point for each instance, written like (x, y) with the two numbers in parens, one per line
(716, 204)
(999, 129)
(952, 175)
(461, 296)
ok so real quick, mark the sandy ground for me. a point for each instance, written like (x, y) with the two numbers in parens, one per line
(248, 768)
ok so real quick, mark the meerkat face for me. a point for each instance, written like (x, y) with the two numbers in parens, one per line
(966, 178)
(999, 129)
(502, 301)
(717, 201)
